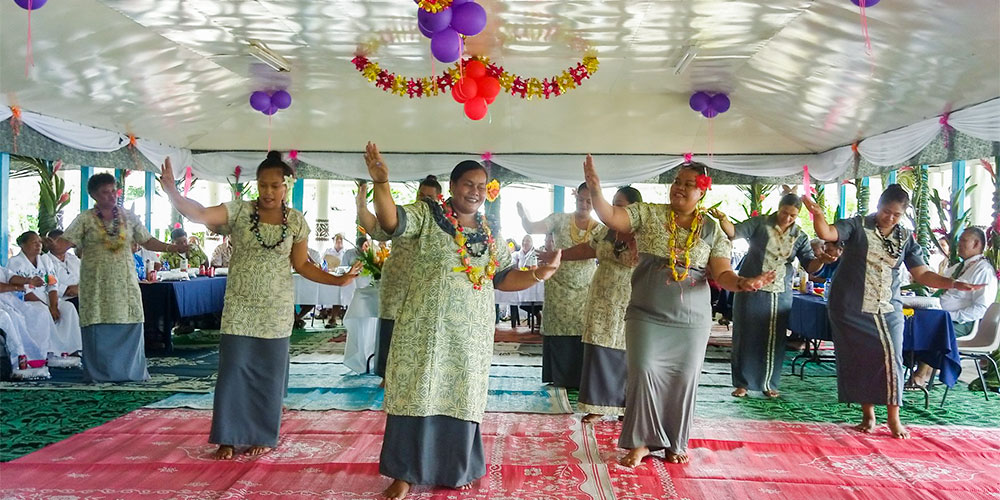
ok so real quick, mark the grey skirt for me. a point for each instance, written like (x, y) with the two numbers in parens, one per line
(760, 325)
(253, 377)
(385, 327)
(602, 385)
(562, 360)
(869, 351)
(664, 364)
(435, 450)
(114, 353)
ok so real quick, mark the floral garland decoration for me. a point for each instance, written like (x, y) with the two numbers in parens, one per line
(434, 6)
(477, 275)
(688, 245)
(511, 83)
(114, 239)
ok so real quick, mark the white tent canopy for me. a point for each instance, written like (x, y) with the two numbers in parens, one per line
(177, 75)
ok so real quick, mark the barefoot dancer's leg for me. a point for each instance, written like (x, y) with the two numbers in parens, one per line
(677, 458)
(634, 457)
(256, 451)
(740, 392)
(898, 431)
(772, 393)
(397, 490)
(225, 452)
(868, 422)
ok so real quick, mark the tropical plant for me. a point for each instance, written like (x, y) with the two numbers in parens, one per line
(372, 261)
(951, 219)
(863, 195)
(52, 194)
(916, 178)
(755, 195)
(993, 232)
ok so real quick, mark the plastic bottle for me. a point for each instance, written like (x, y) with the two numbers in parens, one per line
(809, 287)
(184, 264)
(826, 289)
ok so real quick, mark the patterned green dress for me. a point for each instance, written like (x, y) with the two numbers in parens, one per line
(566, 290)
(442, 344)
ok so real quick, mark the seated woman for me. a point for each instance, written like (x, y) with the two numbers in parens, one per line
(45, 300)
(195, 257)
(66, 267)
(28, 334)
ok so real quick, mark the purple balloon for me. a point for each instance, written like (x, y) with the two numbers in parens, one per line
(423, 31)
(709, 113)
(434, 22)
(469, 18)
(260, 101)
(699, 101)
(35, 4)
(446, 45)
(281, 99)
(868, 3)
(270, 111)
(720, 103)
(459, 2)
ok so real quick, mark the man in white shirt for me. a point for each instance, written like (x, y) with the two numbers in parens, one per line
(966, 307)
(337, 250)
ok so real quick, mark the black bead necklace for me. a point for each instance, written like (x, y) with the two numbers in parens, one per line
(893, 244)
(255, 227)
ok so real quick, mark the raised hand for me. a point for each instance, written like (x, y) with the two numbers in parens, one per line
(813, 207)
(361, 199)
(520, 211)
(718, 214)
(355, 269)
(167, 176)
(377, 169)
(757, 282)
(590, 175)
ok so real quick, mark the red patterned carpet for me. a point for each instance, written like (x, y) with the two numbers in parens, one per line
(164, 454)
(520, 335)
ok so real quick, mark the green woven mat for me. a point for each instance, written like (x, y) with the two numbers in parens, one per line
(30, 420)
(203, 338)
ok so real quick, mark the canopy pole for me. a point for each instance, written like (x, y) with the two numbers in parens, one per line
(558, 199)
(958, 184)
(149, 200)
(85, 173)
(842, 206)
(297, 194)
(4, 206)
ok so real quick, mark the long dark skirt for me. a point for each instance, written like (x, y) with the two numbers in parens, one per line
(602, 385)
(869, 350)
(114, 353)
(664, 364)
(760, 323)
(436, 450)
(385, 327)
(253, 375)
(562, 360)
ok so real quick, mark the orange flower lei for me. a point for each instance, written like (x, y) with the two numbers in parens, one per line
(688, 245)
(477, 275)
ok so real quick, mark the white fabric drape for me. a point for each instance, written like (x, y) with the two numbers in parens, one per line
(156, 153)
(567, 170)
(899, 145)
(981, 121)
(828, 166)
(5, 113)
(75, 135)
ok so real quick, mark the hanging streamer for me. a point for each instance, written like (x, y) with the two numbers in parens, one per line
(15, 124)
(864, 27)
(945, 129)
(187, 181)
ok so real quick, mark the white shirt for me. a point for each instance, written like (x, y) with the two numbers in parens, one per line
(21, 266)
(67, 271)
(524, 259)
(966, 307)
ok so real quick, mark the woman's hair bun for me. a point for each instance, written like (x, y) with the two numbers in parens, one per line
(431, 178)
(274, 155)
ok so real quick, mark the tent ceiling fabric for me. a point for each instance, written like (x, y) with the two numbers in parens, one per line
(177, 72)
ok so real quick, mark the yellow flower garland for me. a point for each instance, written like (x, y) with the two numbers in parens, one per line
(573, 230)
(117, 243)
(688, 245)
(477, 275)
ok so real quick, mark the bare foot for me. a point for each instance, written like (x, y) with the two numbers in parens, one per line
(467, 486)
(772, 393)
(677, 458)
(898, 431)
(866, 426)
(256, 451)
(592, 417)
(634, 457)
(397, 490)
(740, 392)
(225, 452)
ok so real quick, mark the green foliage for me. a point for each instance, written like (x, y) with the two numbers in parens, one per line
(952, 221)
(863, 195)
(993, 232)
(755, 195)
(52, 196)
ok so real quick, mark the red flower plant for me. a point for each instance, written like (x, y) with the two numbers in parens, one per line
(64, 198)
(754, 213)
(703, 182)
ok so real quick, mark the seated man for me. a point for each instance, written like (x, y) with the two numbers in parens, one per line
(965, 307)
(195, 256)
(353, 255)
(222, 253)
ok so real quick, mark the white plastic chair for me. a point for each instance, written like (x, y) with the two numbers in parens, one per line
(984, 340)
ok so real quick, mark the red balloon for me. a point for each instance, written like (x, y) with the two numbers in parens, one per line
(475, 69)
(488, 86)
(476, 108)
(469, 87)
(458, 95)
(489, 100)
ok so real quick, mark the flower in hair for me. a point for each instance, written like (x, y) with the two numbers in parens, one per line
(289, 181)
(703, 182)
(492, 190)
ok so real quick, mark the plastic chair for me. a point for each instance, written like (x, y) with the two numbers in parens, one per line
(985, 339)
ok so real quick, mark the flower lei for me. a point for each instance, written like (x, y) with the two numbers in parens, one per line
(573, 231)
(477, 275)
(114, 240)
(696, 226)
(511, 83)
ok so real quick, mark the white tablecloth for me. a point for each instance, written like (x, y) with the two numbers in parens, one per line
(535, 294)
(312, 293)
(361, 322)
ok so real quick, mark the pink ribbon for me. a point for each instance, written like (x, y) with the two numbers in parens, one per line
(947, 128)
(864, 28)
(807, 188)
(187, 181)
(29, 58)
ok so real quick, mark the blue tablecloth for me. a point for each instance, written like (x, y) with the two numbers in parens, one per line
(166, 301)
(928, 334)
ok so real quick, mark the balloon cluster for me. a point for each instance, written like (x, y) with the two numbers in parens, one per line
(868, 3)
(476, 90)
(709, 106)
(269, 104)
(446, 27)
